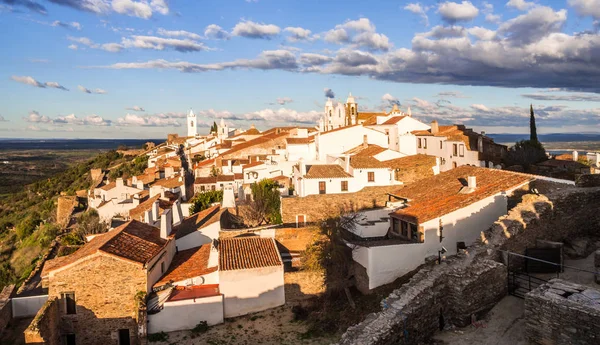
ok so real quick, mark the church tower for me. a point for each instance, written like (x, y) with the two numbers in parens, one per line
(351, 110)
(222, 130)
(192, 124)
(328, 115)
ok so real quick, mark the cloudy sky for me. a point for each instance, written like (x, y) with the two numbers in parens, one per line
(123, 68)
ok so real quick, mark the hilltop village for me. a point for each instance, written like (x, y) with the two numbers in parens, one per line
(210, 230)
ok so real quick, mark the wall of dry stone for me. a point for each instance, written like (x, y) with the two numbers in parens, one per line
(45, 327)
(6, 306)
(474, 281)
(561, 312)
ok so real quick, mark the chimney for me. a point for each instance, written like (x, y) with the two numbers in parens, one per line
(472, 182)
(165, 224)
(434, 127)
(177, 213)
(140, 185)
(302, 167)
(347, 163)
(136, 199)
(155, 210)
(120, 182)
(575, 156)
(148, 217)
(365, 141)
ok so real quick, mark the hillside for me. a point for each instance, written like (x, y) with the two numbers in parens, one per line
(27, 216)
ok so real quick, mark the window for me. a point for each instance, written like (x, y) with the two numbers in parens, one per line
(70, 306)
(212, 187)
(425, 143)
(322, 188)
(455, 150)
(441, 144)
(202, 188)
(330, 113)
(461, 151)
(371, 176)
(162, 267)
(404, 228)
(192, 123)
(420, 144)
(414, 232)
(69, 339)
(124, 337)
(344, 186)
(300, 220)
(454, 165)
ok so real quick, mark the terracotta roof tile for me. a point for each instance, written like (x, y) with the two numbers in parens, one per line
(109, 186)
(134, 241)
(137, 213)
(172, 182)
(240, 253)
(366, 162)
(188, 264)
(394, 120)
(436, 196)
(368, 150)
(197, 221)
(325, 171)
(299, 141)
(253, 164)
(204, 163)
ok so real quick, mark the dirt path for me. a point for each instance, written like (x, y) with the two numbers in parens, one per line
(270, 327)
(504, 325)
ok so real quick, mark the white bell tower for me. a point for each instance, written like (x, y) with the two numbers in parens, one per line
(192, 124)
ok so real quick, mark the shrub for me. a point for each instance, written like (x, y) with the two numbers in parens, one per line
(202, 201)
(201, 327)
(154, 337)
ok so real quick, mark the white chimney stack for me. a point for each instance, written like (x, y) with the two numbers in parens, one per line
(472, 182)
(177, 213)
(155, 210)
(120, 182)
(302, 167)
(347, 163)
(148, 217)
(165, 224)
(575, 156)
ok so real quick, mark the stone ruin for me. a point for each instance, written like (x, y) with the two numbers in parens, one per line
(561, 312)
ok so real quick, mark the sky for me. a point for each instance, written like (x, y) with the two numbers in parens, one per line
(133, 69)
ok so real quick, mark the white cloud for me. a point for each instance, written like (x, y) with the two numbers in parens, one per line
(147, 121)
(520, 4)
(73, 47)
(251, 29)
(298, 34)
(72, 25)
(86, 90)
(482, 33)
(31, 81)
(160, 43)
(569, 97)
(284, 100)
(586, 7)
(456, 12)
(493, 18)
(311, 59)
(213, 31)
(35, 117)
(533, 25)
(360, 33)
(112, 47)
(389, 100)
(83, 41)
(420, 10)
(178, 33)
(141, 9)
(135, 108)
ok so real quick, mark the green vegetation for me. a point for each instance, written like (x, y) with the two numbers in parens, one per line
(155, 337)
(201, 327)
(526, 153)
(27, 216)
(532, 128)
(88, 223)
(202, 201)
(214, 128)
(129, 169)
(266, 203)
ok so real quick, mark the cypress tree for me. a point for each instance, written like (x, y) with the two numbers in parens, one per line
(532, 129)
(213, 129)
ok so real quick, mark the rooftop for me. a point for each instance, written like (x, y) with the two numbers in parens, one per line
(240, 253)
(441, 194)
(192, 292)
(188, 264)
(134, 241)
(326, 171)
(197, 221)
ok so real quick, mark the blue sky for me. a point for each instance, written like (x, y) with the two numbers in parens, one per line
(123, 68)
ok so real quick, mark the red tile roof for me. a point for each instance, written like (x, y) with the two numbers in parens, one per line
(172, 182)
(197, 221)
(186, 264)
(299, 141)
(137, 212)
(134, 241)
(240, 253)
(438, 195)
(215, 179)
(366, 150)
(192, 292)
(366, 162)
(325, 171)
(206, 162)
(109, 186)
(253, 164)
(394, 120)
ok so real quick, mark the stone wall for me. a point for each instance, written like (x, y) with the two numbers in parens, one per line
(451, 292)
(105, 288)
(588, 180)
(561, 312)
(6, 306)
(472, 282)
(317, 207)
(45, 327)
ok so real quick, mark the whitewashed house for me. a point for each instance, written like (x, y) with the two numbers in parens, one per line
(444, 212)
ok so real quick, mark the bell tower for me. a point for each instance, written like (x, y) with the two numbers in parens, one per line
(192, 124)
(351, 110)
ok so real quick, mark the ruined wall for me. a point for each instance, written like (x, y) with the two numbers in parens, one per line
(6, 306)
(561, 312)
(316, 207)
(454, 290)
(45, 326)
(460, 286)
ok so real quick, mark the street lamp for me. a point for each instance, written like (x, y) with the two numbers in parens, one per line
(440, 252)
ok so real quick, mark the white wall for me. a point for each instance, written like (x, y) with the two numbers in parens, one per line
(383, 177)
(199, 237)
(337, 142)
(186, 314)
(27, 306)
(384, 264)
(376, 230)
(115, 208)
(154, 266)
(251, 290)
